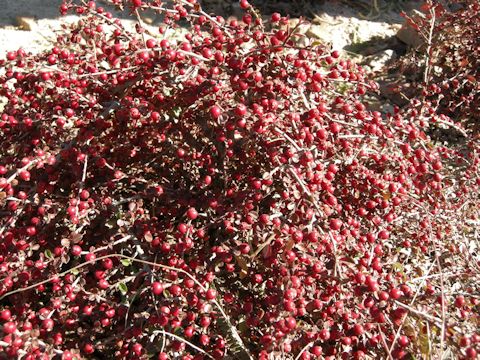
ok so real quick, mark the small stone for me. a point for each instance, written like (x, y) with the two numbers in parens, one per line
(148, 20)
(378, 61)
(26, 23)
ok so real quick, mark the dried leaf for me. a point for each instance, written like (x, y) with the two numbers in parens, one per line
(387, 195)
(242, 263)
(132, 206)
(267, 252)
(289, 245)
(75, 237)
(148, 237)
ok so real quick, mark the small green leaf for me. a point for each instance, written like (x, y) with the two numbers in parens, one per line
(126, 262)
(176, 111)
(397, 267)
(74, 272)
(48, 254)
(123, 288)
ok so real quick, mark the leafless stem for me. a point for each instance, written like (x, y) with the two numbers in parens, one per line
(384, 343)
(109, 21)
(290, 140)
(305, 348)
(166, 333)
(429, 44)
(140, 24)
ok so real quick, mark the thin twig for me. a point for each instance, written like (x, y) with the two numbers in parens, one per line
(429, 44)
(142, 28)
(166, 333)
(303, 350)
(298, 148)
(384, 343)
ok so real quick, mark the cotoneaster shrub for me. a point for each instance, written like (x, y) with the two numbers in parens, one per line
(446, 69)
(227, 195)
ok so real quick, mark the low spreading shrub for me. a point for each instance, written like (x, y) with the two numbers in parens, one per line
(445, 70)
(224, 195)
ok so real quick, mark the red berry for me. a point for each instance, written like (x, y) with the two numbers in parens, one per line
(290, 323)
(11, 55)
(25, 175)
(9, 327)
(5, 315)
(241, 110)
(151, 43)
(103, 284)
(335, 224)
(383, 234)
(189, 332)
(205, 321)
(87, 310)
(137, 349)
(459, 301)
(52, 59)
(471, 353)
(175, 290)
(276, 17)
(395, 293)
(84, 194)
(47, 324)
(403, 341)
(358, 329)
(211, 294)
(192, 213)
(76, 250)
(244, 4)
(157, 288)
(88, 349)
(215, 112)
(324, 334)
